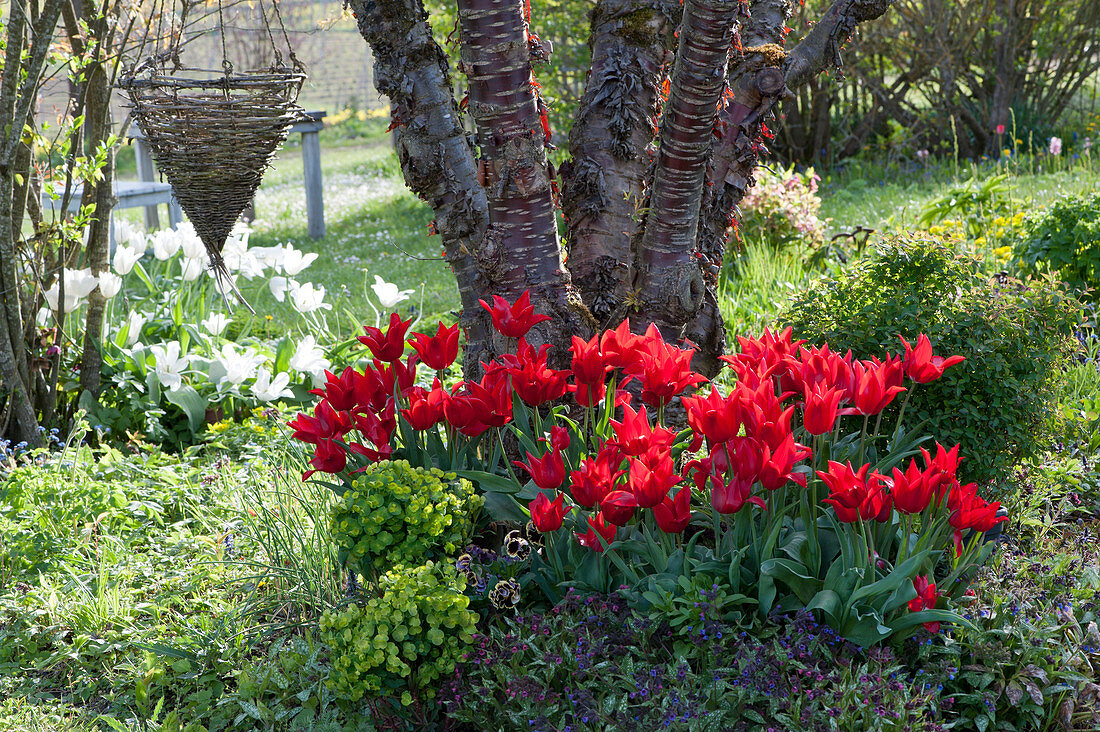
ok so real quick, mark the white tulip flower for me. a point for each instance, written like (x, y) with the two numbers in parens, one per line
(215, 323)
(267, 389)
(294, 262)
(109, 284)
(130, 237)
(308, 297)
(279, 287)
(309, 358)
(239, 367)
(166, 243)
(169, 364)
(78, 285)
(126, 258)
(192, 268)
(192, 246)
(135, 322)
(387, 293)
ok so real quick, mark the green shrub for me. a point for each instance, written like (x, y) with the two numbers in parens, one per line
(1066, 239)
(397, 514)
(999, 403)
(399, 642)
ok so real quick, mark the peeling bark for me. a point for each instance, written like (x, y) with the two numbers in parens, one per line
(436, 157)
(670, 288)
(604, 184)
(521, 251)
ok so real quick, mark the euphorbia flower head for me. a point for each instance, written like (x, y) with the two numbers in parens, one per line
(912, 491)
(439, 351)
(819, 411)
(731, 496)
(674, 514)
(618, 507)
(925, 600)
(599, 528)
(634, 435)
(651, 479)
(855, 495)
(596, 477)
(548, 515)
(872, 393)
(513, 320)
(665, 370)
(534, 381)
(388, 346)
(548, 472)
(921, 364)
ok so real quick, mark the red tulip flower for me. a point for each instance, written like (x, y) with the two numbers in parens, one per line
(548, 472)
(328, 457)
(326, 423)
(674, 514)
(925, 600)
(855, 495)
(388, 346)
(779, 464)
(820, 410)
(439, 351)
(731, 497)
(599, 528)
(650, 480)
(534, 381)
(596, 477)
(872, 393)
(971, 511)
(716, 417)
(920, 363)
(548, 516)
(912, 491)
(665, 370)
(619, 347)
(425, 407)
(634, 435)
(513, 320)
(618, 507)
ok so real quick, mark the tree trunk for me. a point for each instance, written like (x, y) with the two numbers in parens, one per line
(521, 251)
(669, 286)
(611, 143)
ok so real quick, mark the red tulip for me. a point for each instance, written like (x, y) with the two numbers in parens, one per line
(425, 407)
(559, 437)
(328, 457)
(674, 514)
(619, 346)
(731, 497)
(599, 528)
(855, 495)
(912, 491)
(388, 346)
(820, 410)
(766, 353)
(326, 423)
(439, 351)
(650, 480)
(595, 478)
(515, 320)
(779, 464)
(925, 600)
(546, 515)
(921, 365)
(618, 507)
(971, 511)
(872, 393)
(534, 381)
(716, 417)
(589, 366)
(634, 435)
(665, 370)
(817, 367)
(548, 472)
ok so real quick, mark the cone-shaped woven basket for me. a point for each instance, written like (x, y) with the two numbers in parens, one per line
(214, 138)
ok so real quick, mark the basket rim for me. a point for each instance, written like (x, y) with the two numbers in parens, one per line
(234, 80)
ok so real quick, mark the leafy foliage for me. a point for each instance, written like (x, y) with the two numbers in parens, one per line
(1014, 337)
(1065, 238)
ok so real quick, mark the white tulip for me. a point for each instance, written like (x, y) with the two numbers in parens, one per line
(294, 262)
(109, 284)
(309, 358)
(130, 237)
(267, 390)
(169, 365)
(166, 243)
(126, 258)
(239, 367)
(215, 323)
(387, 293)
(279, 286)
(307, 298)
(78, 285)
(192, 268)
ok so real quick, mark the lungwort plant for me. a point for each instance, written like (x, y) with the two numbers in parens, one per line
(790, 489)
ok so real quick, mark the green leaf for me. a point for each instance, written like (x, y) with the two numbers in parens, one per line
(283, 353)
(489, 482)
(904, 572)
(794, 575)
(192, 404)
(503, 507)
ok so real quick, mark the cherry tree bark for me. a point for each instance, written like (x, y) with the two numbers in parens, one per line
(604, 185)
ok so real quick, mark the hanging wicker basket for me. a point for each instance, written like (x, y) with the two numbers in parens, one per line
(214, 137)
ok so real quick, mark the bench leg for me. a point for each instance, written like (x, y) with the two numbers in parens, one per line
(315, 205)
(175, 214)
(145, 174)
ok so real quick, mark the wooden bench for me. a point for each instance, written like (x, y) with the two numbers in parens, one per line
(311, 164)
(130, 194)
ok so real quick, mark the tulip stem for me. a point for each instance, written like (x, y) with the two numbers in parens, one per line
(904, 404)
(863, 438)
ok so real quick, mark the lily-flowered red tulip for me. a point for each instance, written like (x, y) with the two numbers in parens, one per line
(548, 472)
(328, 457)
(778, 466)
(598, 527)
(674, 514)
(534, 381)
(731, 496)
(872, 392)
(651, 479)
(664, 369)
(766, 353)
(596, 477)
(820, 410)
(912, 491)
(618, 507)
(548, 515)
(716, 417)
(439, 351)
(559, 437)
(589, 371)
(326, 423)
(425, 406)
(925, 600)
(922, 365)
(635, 436)
(971, 511)
(513, 320)
(388, 346)
(619, 346)
(855, 495)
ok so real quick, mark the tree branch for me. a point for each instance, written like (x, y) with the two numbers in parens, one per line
(821, 46)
